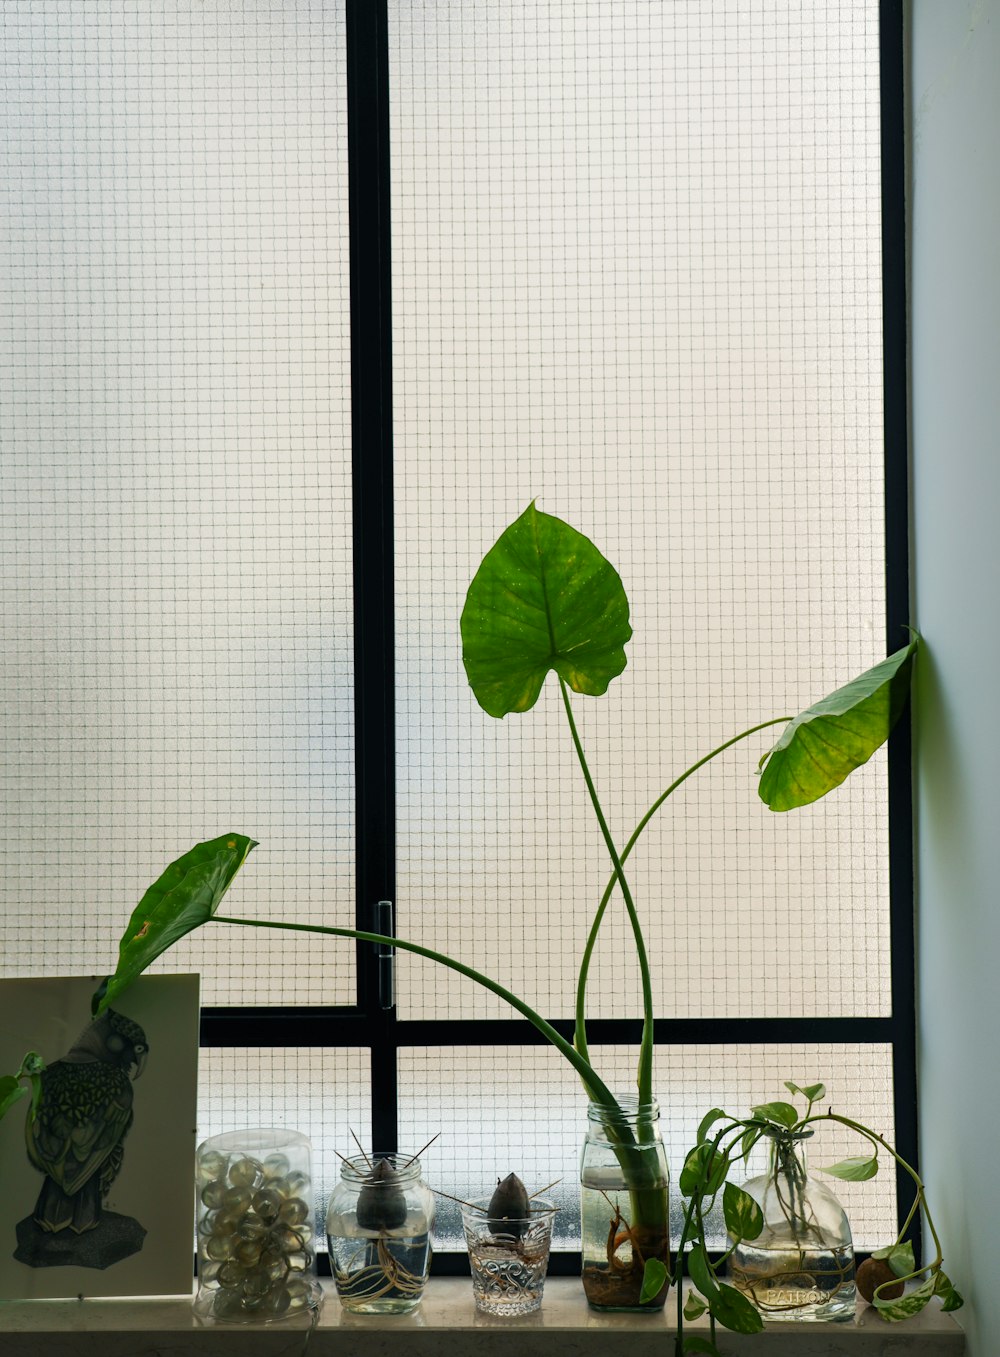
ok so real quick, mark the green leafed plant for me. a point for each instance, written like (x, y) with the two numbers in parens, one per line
(725, 1141)
(546, 600)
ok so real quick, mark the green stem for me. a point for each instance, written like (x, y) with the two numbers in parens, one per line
(580, 1038)
(908, 1168)
(594, 1085)
(645, 1071)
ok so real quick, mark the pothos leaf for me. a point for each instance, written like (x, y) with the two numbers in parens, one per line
(11, 1091)
(899, 1257)
(701, 1273)
(909, 1304)
(950, 1298)
(186, 895)
(703, 1171)
(825, 743)
(812, 1092)
(654, 1276)
(732, 1309)
(781, 1114)
(543, 598)
(854, 1170)
(744, 1218)
(694, 1305)
(709, 1120)
(697, 1342)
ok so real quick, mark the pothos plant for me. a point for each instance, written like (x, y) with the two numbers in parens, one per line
(545, 600)
(787, 1227)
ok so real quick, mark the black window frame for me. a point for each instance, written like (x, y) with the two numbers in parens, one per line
(373, 1023)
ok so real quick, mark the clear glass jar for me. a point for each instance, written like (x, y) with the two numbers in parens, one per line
(624, 1190)
(256, 1251)
(801, 1267)
(378, 1227)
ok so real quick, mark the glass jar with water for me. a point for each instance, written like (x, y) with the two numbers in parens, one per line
(378, 1227)
(801, 1266)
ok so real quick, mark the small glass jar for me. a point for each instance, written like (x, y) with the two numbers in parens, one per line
(378, 1227)
(801, 1266)
(256, 1248)
(624, 1204)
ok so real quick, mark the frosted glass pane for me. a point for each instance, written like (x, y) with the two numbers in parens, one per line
(175, 478)
(636, 254)
(324, 1094)
(522, 1110)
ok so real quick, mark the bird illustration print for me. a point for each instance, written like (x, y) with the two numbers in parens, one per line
(75, 1134)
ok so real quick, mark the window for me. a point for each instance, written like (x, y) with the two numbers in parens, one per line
(305, 303)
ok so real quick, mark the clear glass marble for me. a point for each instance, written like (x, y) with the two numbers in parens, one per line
(256, 1230)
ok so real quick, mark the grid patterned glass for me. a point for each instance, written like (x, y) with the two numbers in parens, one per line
(636, 274)
(175, 478)
(522, 1110)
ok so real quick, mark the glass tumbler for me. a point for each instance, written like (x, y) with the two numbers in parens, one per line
(508, 1257)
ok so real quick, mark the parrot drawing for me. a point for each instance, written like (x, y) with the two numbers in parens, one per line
(74, 1135)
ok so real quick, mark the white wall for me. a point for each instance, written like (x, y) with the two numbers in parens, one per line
(955, 434)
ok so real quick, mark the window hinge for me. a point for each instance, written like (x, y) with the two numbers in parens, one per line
(386, 956)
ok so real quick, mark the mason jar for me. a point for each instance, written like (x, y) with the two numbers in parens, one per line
(378, 1228)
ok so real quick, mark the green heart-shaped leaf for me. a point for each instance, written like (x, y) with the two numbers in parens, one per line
(694, 1305)
(812, 1091)
(899, 1257)
(654, 1277)
(779, 1114)
(909, 1304)
(855, 1170)
(544, 598)
(732, 1309)
(825, 743)
(701, 1274)
(744, 1218)
(186, 895)
(950, 1298)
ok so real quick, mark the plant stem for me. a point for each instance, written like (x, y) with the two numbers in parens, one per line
(918, 1183)
(580, 1038)
(644, 1077)
(594, 1085)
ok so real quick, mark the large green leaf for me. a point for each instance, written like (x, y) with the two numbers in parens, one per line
(744, 1218)
(855, 1170)
(543, 598)
(825, 743)
(186, 895)
(909, 1304)
(732, 1309)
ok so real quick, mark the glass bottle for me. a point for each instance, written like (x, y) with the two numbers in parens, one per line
(378, 1227)
(801, 1267)
(624, 1184)
(256, 1253)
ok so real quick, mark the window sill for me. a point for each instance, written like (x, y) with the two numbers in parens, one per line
(565, 1325)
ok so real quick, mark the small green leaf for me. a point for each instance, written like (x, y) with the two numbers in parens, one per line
(812, 1092)
(732, 1309)
(701, 1273)
(856, 1170)
(696, 1342)
(781, 1114)
(186, 895)
(709, 1120)
(749, 1139)
(543, 598)
(951, 1299)
(654, 1276)
(744, 1218)
(11, 1091)
(824, 744)
(899, 1257)
(694, 1305)
(909, 1304)
(703, 1171)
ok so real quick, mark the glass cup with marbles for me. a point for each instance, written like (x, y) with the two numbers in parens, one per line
(256, 1249)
